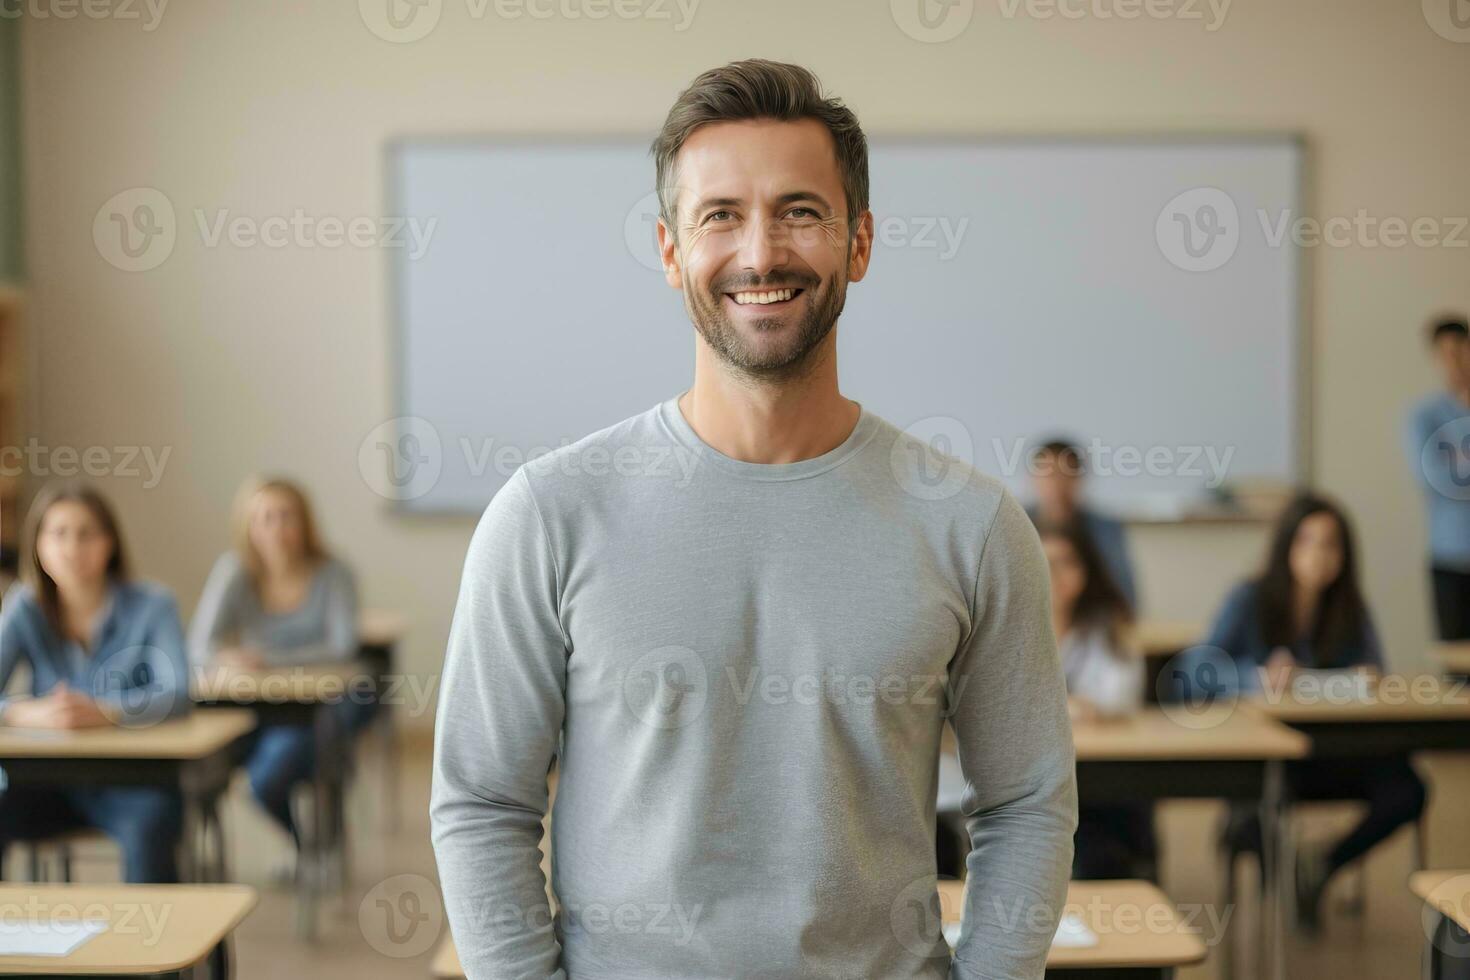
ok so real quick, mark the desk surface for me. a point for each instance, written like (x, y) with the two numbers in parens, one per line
(1135, 923)
(300, 684)
(1154, 736)
(1163, 638)
(380, 627)
(1136, 926)
(196, 736)
(1448, 892)
(1395, 699)
(1454, 657)
(155, 928)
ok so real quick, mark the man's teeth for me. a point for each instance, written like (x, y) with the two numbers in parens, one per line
(774, 296)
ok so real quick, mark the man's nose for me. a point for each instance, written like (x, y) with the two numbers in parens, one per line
(764, 244)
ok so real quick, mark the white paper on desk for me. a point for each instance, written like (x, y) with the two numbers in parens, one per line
(48, 938)
(1073, 933)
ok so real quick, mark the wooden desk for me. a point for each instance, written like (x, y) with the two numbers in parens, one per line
(157, 930)
(1139, 933)
(1164, 638)
(190, 754)
(1402, 715)
(300, 695)
(1454, 658)
(1446, 897)
(1224, 753)
(380, 627)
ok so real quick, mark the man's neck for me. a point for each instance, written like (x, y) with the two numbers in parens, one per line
(756, 422)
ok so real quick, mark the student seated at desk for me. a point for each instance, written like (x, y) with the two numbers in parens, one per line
(101, 649)
(278, 599)
(1304, 610)
(1056, 479)
(1105, 679)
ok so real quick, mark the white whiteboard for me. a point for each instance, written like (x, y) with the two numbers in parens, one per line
(1019, 287)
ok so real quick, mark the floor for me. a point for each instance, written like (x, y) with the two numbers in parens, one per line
(390, 922)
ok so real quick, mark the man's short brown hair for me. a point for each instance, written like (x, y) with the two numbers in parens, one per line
(760, 89)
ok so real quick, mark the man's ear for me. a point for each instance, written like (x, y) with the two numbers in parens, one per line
(668, 253)
(860, 249)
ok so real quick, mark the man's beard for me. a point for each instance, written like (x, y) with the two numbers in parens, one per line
(785, 361)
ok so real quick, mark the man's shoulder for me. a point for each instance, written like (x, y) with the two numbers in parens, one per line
(611, 451)
(933, 464)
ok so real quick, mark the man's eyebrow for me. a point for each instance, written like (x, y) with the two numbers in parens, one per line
(790, 197)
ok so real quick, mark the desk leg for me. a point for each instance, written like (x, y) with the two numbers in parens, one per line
(1448, 955)
(312, 867)
(1277, 869)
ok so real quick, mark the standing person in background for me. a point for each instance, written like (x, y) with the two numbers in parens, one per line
(1056, 479)
(1105, 680)
(278, 599)
(1440, 460)
(101, 649)
(1305, 610)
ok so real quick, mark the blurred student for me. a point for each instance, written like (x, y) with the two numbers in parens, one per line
(1105, 679)
(101, 649)
(1056, 480)
(1443, 472)
(278, 599)
(1305, 610)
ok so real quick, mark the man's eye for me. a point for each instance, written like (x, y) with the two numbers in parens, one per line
(802, 213)
(718, 216)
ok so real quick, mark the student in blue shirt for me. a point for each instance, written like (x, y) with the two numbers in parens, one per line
(1305, 610)
(1438, 444)
(102, 649)
(1056, 480)
(279, 599)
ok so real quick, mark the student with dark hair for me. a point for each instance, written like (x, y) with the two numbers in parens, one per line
(1056, 479)
(101, 649)
(1305, 610)
(1105, 679)
(1439, 456)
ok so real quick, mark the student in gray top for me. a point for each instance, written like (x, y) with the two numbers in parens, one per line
(278, 599)
(739, 622)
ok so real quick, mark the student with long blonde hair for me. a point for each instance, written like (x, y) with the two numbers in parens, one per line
(278, 598)
(102, 649)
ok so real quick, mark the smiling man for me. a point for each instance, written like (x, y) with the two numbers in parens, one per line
(745, 672)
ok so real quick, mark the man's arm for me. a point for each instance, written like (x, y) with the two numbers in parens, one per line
(500, 714)
(1009, 705)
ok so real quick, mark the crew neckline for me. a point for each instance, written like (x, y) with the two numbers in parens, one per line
(679, 427)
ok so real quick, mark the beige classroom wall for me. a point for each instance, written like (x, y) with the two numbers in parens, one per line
(236, 360)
